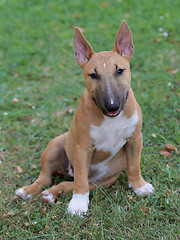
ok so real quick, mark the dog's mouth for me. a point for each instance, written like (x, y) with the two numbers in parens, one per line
(113, 114)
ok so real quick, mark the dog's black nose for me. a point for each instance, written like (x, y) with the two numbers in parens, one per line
(112, 106)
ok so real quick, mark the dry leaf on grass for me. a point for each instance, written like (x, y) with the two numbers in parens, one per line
(16, 75)
(28, 118)
(104, 4)
(76, 15)
(15, 100)
(33, 166)
(172, 71)
(165, 153)
(20, 170)
(37, 146)
(158, 40)
(48, 68)
(171, 147)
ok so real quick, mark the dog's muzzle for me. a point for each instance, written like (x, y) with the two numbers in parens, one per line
(112, 108)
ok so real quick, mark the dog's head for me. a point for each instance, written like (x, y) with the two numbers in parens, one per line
(107, 74)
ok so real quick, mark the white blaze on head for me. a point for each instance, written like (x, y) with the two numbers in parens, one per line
(112, 101)
(104, 65)
(110, 92)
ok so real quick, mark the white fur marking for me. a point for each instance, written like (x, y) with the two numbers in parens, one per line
(29, 197)
(113, 132)
(145, 190)
(47, 196)
(111, 137)
(70, 170)
(112, 101)
(79, 204)
(101, 170)
(104, 65)
(21, 193)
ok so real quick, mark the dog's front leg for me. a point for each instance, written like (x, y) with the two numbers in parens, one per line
(80, 199)
(135, 180)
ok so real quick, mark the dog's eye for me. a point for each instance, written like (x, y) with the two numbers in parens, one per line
(120, 71)
(93, 76)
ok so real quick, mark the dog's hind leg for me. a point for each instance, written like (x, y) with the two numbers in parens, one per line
(53, 159)
(50, 195)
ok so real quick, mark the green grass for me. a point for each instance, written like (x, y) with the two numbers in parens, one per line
(38, 68)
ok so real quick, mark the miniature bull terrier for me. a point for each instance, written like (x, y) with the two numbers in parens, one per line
(105, 134)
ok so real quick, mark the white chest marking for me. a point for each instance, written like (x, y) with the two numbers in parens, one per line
(101, 170)
(113, 132)
(111, 137)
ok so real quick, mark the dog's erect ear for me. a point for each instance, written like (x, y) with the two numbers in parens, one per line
(83, 50)
(123, 43)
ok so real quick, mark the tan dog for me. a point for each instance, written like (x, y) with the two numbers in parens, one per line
(105, 134)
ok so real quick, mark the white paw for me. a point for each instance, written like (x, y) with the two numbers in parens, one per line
(79, 204)
(47, 197)
(21, 193)
(145, 190)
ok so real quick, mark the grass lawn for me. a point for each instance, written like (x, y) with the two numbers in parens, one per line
(40, 86)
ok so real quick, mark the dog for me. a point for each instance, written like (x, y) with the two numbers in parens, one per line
(105, 134)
